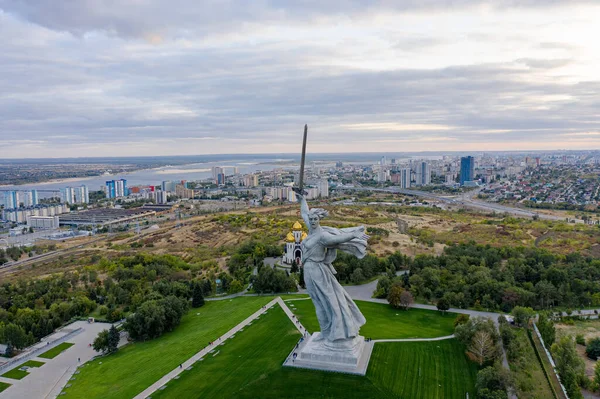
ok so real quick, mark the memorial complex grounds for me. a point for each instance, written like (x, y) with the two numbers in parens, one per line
(249, 365)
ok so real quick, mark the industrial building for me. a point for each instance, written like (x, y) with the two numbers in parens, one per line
(105, 217)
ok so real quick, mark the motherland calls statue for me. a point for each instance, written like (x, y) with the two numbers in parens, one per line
(339, 317)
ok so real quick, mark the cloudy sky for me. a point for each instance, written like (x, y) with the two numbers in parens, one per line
(152, 77)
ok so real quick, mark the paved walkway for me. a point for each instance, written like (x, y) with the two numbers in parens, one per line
(48, 380)
(190, 362)
(414, 339)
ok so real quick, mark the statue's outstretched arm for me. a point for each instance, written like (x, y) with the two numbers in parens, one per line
(331, 239)
(303, 208)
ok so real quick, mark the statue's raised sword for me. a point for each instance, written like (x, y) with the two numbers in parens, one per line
(300, 187)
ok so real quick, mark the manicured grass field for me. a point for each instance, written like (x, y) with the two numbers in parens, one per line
(137, 366)
(57, 350)
(249, 366)
(15, 374)
(19, 374)
(32, 363)
(429, 370)
(383, 321)
(3, 386)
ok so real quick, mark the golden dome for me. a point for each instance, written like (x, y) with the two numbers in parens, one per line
(290, 237)
(297, 226)
(304, 235)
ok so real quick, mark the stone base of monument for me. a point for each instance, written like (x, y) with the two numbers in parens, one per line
(349, 356)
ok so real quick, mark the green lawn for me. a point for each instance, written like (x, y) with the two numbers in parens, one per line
(431, 370)
(57, 350)
(15, 374)
(137, 366)
(249, 366)
(383, 321)
(19, 374)
(3, 386)
(32, 363)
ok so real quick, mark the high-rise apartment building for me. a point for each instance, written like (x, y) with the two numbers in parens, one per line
(323, 188)
(422, 174)
(404, 179)
(168, 186)
(75, 195)
(116, 188)
(82, 195)
(250, 180)
(11, 200)
(467, 169)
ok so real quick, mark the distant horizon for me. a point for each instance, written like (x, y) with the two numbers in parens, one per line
(297, 154)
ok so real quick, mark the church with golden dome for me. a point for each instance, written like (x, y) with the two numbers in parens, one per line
(293, 249)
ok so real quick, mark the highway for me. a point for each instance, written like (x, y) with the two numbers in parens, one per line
(466, 200)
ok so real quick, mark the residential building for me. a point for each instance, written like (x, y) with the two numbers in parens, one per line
(75, 195)
(404, 178)
(250, 180)
(82, 195)
(422, 174)
(11, 199)
(323, 188)
(116, 188)
(168, 186)
(182, 192)
(467, 169)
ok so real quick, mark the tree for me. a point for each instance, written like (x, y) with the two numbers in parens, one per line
(406, 299)
(461, 319)
(113, 339)
(235, 287)
(101, 344)
(15, 335)
(443, 305)
(493, 382)
(294, 268)
(592, 349)
(394, 296)
(197, 298)
(522, 315)
(547, 329)
(357, 276)
(301, 278)
(482, 347)
(569, 365)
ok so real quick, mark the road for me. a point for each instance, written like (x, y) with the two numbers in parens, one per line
(466, 201)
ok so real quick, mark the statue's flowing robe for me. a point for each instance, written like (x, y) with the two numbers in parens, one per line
(338, 315)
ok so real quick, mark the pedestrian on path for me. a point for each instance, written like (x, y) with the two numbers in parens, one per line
(180, 366)
(78, 360)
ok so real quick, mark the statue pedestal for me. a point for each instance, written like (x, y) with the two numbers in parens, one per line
(350, 356)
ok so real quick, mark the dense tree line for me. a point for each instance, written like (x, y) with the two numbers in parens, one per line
(249, 256)
(40, 306)
(269, 280)
(155, 317)
(470, 275)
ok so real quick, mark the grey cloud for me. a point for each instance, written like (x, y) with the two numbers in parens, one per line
(159, 17)
(544, 63)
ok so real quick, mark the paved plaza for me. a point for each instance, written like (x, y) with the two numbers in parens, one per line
(47, 381)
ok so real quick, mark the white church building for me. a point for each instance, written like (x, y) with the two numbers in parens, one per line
(293, 250)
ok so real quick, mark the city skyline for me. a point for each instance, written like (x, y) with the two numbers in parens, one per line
(227, 78)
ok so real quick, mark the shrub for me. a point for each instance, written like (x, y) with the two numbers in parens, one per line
(579, 339)
(592, 349)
